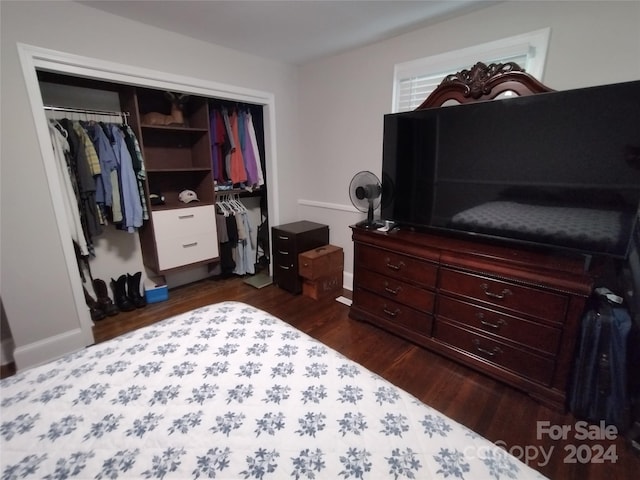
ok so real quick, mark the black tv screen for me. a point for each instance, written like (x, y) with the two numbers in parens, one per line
(558, 169)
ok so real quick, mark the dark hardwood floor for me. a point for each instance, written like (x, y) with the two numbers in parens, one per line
(490, 408)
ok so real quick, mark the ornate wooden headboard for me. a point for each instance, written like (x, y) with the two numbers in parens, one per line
(484, 82)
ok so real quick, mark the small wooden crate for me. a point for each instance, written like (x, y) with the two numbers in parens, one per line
(321, 262)
(324, 286)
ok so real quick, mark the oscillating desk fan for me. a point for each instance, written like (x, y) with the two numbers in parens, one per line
(365, 192)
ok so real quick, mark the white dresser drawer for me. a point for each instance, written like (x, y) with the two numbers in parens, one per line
(184, 222)
(183, 250)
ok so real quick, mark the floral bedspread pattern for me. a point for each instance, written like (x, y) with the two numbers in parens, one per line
(228, 391)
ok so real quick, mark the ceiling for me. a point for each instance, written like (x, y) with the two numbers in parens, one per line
(293, 31)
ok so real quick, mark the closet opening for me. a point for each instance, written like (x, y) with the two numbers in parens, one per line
(188, 156)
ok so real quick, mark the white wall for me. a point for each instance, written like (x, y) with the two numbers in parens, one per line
(345, 97)
(36, 286)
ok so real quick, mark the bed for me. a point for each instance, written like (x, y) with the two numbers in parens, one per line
(228, 391)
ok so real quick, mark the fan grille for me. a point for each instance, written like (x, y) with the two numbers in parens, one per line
(365, 191)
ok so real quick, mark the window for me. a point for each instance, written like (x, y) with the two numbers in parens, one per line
(415, 80)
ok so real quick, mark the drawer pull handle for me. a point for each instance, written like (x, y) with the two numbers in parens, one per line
(496, 326)
(500, 296)
(187, 245)
(182, 217)
(393, 313)
(282, 237)
(284, 267)
(282, 252)
(390, 290)
(393, 266)
(491, 353)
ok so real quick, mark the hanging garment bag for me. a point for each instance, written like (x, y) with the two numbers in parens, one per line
(599, 386)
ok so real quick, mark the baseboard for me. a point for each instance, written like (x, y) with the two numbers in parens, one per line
(347, 281)
(43, 351)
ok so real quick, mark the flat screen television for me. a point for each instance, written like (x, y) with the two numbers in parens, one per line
(558, 170)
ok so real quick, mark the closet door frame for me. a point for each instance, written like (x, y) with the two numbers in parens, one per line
(32, 59)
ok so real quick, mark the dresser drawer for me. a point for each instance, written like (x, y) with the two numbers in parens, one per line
(397, 266)
(517, 298)
(286, 260)
(396, 313)
(283, 242)
(286, 277)
(535, 335)
(397, 290)
(529, 365)
(184, 222)
(178, 251)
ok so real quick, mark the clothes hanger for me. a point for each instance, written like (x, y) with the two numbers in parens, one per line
(58, 126)
(238, 204)
(229, 203)
(223, 207)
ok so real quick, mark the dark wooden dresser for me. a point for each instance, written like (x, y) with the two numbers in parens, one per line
(508, 312)
(289, 240)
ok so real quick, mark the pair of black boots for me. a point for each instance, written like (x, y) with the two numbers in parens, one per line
(126, 290)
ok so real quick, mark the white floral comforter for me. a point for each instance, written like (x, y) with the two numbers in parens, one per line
(228, 391)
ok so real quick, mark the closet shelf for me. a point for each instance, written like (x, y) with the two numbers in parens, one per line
(174, 128)
(179, 169)
(242, 192)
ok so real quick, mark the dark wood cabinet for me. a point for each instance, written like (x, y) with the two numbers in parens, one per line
(288, 241)
(508, 312)
(177, 157)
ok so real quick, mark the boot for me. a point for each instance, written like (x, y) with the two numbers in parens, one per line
(104, 302)
(133, 290)
(96, 313)
(120, 294)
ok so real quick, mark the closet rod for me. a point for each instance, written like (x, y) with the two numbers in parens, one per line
(85, 110)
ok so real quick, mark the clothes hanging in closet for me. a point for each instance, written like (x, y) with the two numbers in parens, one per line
(81, 169)
(132, 215)
(138, 166)
(236, 167)
(234, 148)
(245, 251)
(61, 152)
(227, 264)
(252, 153)
(102, 166)
(235, 236)
(108, 163)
